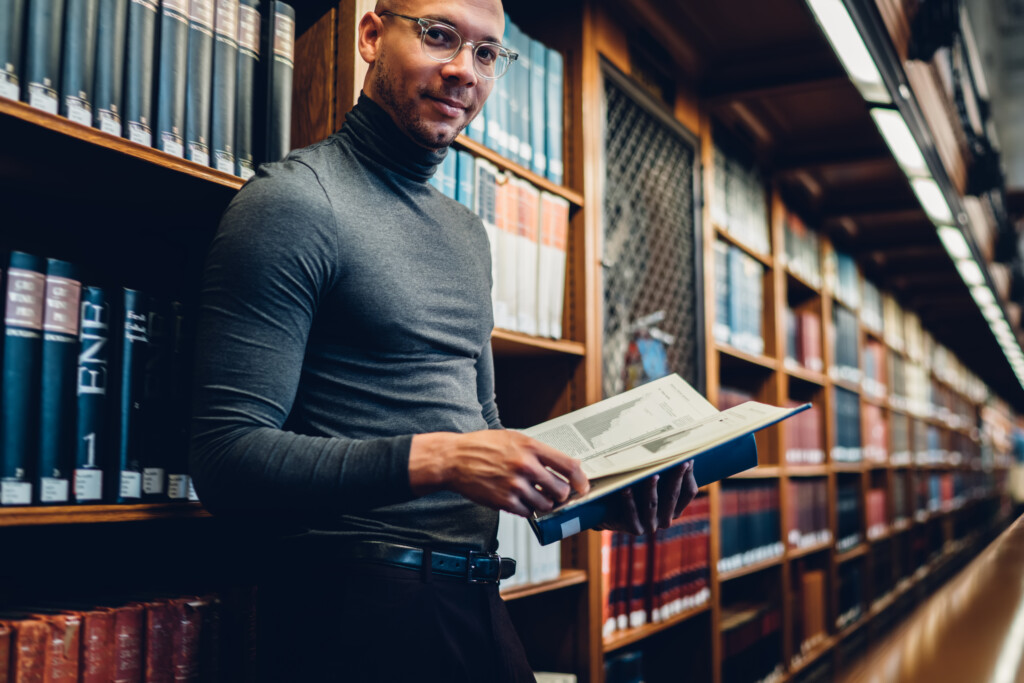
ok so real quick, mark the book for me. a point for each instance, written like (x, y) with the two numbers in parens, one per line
(527, 239)
(554, 245)
(178, 391)
(187, 619)
(156, 411)
(627, 438)
(505, 252)
(553, 108)
(225, 85)
(125, 473)
(129, 642)
(199, 81)
(485, 198)
(22, 357)
(29, 639)
(465, 172)
(171, 77)
(537, 121)
(93, 382)
(245, 84)
(79, 60)
(11, 32)
(140, 57)
(110, 49)
(43, 35)
(57, 391)
(276, 82)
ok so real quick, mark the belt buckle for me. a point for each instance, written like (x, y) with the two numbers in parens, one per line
(474, 555)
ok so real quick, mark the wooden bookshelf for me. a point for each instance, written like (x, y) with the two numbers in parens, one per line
(98, 514)
(621, 639)
(470, 145)
(568, 577)
(508, 343)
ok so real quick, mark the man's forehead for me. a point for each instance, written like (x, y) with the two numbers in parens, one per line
(484, 18)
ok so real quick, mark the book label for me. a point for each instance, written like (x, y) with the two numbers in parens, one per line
(88, 485)
(9, 87)
(198, 153)
(172, 144)
(42, 97)
(153, 480)
(79, 111)
(246, 170)
(131, 484)
(62, 297)
(284, 40)
(25, 290)
(52, 490)
(178, 486)
(570, 527)
(192, 495)
(140, 134)
(15, 493)
(179, 7)
(109, 122)
(225, 162)
(249, 30)
(226, 22)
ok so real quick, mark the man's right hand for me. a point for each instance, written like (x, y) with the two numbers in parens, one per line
(499, 468)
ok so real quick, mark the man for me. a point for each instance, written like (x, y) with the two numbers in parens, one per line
(345, 380)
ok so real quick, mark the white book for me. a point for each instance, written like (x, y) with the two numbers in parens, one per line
(506, 256)
(553, 246)
(527, 200)
(485, 206)
(507, 545)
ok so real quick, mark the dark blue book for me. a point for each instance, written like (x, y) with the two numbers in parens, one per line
(110, 48)
(155, 415)
(79, 60)
(57, 389)
(225, 86)
(11, 30)
(248, 63)
(200, 81)
(124, 484)
(538, 93)
(553, 113)
(524, 71)
(466, 173)
(139, 64)
(179, 340)
(93, 388)
(172, 76)
(42, 54)
(22, 358)
(511, 81)
(277, 77)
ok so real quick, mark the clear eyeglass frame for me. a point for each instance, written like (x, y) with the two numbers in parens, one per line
(436, 38)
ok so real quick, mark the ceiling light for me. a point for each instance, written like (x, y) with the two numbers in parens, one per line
(848, 44)
(901, 141)
(983, 295)
(954, 242)
(970, 272)
(992, 312)
(930, 196)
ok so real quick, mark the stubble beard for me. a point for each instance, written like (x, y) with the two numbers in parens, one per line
(404, 111)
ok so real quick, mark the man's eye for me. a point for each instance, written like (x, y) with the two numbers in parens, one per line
(438, 36)
(486, 55)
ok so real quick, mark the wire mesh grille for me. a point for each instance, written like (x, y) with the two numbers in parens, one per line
(649, 254)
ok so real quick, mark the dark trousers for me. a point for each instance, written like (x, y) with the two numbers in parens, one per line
(322, 620)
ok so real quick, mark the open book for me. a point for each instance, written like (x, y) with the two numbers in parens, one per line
(641, 432)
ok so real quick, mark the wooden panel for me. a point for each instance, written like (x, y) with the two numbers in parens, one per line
(313, 97)
(91, 514)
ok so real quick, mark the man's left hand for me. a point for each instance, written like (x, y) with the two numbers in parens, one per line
(653, 503)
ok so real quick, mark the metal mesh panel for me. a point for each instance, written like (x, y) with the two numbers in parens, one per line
(649, 238)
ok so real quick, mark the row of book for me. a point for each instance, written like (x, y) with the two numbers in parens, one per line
(848, 532)
(648, 579)
(751, 642)
(94, 391)
(739, 299)
(739, 202)
(807, 516)
(193, 79)
(876, 434)
(523, 119)
(528, 231)
(750, 524)
(803, 437)
(802, 250)
(534, 562)
(803, 340)
(843, 278)
(807, 601)
(851, 594)
(847, 446)
(148, 638)
(877, 513)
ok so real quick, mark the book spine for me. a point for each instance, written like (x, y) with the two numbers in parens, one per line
(92, 386)
(248, 62)
(553, 108)
(178, 483)
(522, 93)
(281, 70)
(171, 80)
(199, 82)
(5, 653)
(139, 60)
(511, 84)
(22, 355)
(129, 639)
(158, 640)
(97, 658)
(11, 32)
(538, 91)
(126, 472)
(186, 634)
(28, 650)
(225, 84)
(155, 439)
(465, 171)
(57, 392)
(79, 60)
(42, 54)
(64, 643)
(110, 52)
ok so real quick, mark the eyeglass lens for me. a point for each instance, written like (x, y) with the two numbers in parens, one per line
(442, 43)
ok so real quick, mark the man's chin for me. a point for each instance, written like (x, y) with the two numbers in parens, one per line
(437, 136)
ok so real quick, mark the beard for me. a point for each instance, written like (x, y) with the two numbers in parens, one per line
(404, 111)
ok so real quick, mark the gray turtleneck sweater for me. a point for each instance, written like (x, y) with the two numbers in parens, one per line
(345, 307)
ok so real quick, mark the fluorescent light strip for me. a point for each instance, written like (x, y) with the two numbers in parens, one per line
(970, 271)
(954, 242)
(850, 47)
(901, 141)
(931, 198)
(983, 295)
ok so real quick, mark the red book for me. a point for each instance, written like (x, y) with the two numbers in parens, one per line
(62, 647)
(29, 639)
(97, 664)
(129, 630)
(622, 580)
(607, 582)
(809, 343)
(187, 626)
(5, 653)
(159, 641)
(639, 581)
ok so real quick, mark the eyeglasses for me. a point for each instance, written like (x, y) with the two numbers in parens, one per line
(442, 43)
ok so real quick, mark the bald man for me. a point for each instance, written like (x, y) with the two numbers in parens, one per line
(345, 384)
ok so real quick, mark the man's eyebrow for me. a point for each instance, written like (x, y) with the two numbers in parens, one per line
(445, 20)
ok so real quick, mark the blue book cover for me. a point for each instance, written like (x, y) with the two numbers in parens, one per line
(79, 60)
(42, 54)
(155, 412)
(737, 312)
(477, 128)
(199, 83)
(522, 94)
(125, 474)
(224, 95)
(22, 358)
(172, 76)
(57, 390)
(108, 81)
(279, 69)
(514, 84)
(140, 55)
(538, 93)
(245, 84)
(553, 108)
(437, 180)
(755, 277)
(179, 390)
(10, 47)
(93, 383)
(466, 173)
(502, 94)
(722, 326)
(449, 177)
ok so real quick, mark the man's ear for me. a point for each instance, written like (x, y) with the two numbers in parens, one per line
(370, 31)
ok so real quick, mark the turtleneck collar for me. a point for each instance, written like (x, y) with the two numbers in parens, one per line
(374, 135)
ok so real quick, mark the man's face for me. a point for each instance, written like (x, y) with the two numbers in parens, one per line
(432, 101)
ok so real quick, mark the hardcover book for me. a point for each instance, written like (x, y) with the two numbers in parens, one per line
(171, 80)
(42, 54)
(225, 79)
(125, 474)
(79, 60)
(627, 438)
(93, 382)
(110, 49)
(199, 81)
(279, 46)
(156, 410)
(10, 47)
(139, 62)
(248, 61)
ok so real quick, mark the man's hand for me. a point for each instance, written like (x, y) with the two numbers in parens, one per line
(499, 468)
(653, 503)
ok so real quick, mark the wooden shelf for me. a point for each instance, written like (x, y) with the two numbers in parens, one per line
(470, 145)
(91, 514)
(848, 467)
(621, 639)
(568, 577)
(803, 289)
(794, 553)
(759, 472)
(858, 550)
(507, 343)
(816, 652)
(730, 354)
(751, 568)
(806, 470)
(847, 385)
(802, 374)
(726, 236)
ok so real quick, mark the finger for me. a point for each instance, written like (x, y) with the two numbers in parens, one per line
(688, 492)
(630, 520)
(646, 495)
(534, 499)
(570, 468)
(551, 485)
(668, 494)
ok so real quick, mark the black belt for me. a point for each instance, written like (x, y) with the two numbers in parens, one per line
(472, 565)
